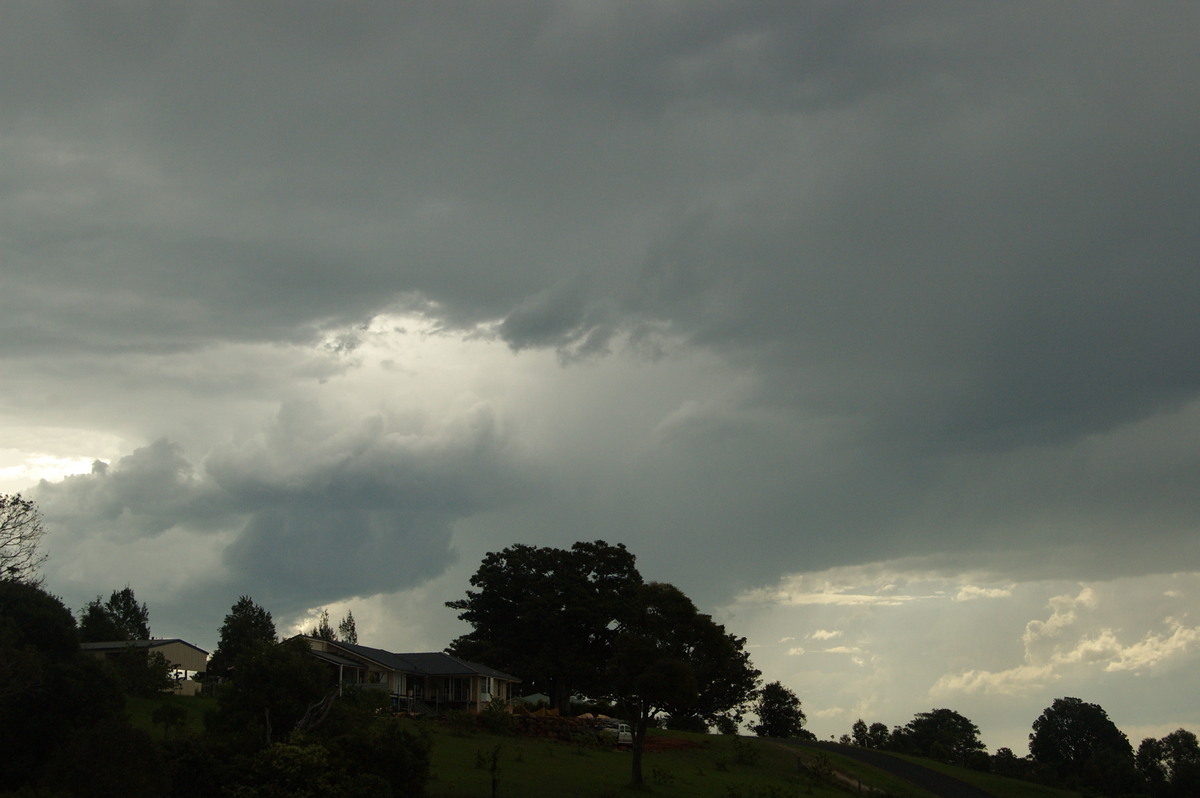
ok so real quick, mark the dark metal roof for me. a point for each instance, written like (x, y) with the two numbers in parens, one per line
(377, 655)
(335, 659)
(438, 663)
(120, 645)
(432, 663)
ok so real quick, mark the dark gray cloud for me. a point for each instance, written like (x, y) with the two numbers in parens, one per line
(315, 509)
(756, 288)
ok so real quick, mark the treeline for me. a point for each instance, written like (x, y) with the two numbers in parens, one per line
(1073, 745)
(276, 728)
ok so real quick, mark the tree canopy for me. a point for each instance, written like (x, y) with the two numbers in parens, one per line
(779, 713)
(670, 658)
(50, 692)
(272, 690)
(323, 630)
(876, 735)
(119, 618)
(548, 614)
(1170, 765)
(21, 531)
(582, 619)
(347, 629)
(246, 626)
(1082, 745)
(940, 734)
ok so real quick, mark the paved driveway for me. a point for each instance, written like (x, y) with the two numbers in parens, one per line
(937, 783)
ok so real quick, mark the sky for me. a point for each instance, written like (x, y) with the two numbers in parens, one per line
(870, 326)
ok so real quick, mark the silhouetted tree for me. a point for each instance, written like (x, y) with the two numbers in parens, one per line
(670, 658)
(21, 531)
(878, 735)
(1079, 743)
(272, 689)
(1006, 763)
(941, 734)
(347, 631)
(49, 689)
(779, 713)
(246, 626)
(1171, 765)
(548, 614)
(97, 625)
(119, 618)
(323, 630)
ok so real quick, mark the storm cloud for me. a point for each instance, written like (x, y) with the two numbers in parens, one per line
(320, 303)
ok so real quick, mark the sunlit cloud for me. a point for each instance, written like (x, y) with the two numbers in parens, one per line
(1066, 645)
(825, 634)
(972, 592)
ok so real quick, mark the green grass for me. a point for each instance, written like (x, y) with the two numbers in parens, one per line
(535, 768)
(140, 710)
(996, 785)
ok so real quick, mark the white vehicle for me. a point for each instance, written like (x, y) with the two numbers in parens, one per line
(621, 731)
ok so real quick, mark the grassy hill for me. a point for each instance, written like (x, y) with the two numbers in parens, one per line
(685, 766)
(693, 766)
(680, 765)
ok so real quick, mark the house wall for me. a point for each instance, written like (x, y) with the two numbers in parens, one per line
(183, 657)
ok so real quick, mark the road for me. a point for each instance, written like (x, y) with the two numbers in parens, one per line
(937, 783)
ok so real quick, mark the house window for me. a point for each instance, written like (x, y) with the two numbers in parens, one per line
(485, 688)
(456, 689)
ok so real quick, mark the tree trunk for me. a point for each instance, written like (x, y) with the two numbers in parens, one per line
(560, 696)
(639, 739)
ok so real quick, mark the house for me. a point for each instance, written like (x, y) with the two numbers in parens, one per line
(184, 659)
(430, 682)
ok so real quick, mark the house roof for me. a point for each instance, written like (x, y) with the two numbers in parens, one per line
(335, 659)
(441, 664)
(121, 645)
(377, 655)
(432, 663)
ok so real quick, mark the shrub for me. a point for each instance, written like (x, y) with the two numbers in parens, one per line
(497, 719)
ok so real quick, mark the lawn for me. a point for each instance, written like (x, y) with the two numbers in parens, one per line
(141, 709)
(708, 766)
(688, 766)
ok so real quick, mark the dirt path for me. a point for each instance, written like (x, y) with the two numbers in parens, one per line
(937, 783)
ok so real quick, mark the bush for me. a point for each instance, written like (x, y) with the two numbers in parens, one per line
(745, 752)
(109, 759)
(389, 750)
(498, 720)
(461, 722)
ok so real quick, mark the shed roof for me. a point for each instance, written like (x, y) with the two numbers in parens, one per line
(121, 645)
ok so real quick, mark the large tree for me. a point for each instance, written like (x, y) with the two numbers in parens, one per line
(274, 692)
(21, 532)
(670, 658)
(1082, 745)
(779, 713)
(246, 626)
(548, 614)
(49, 689)
(119, 618)
(1171, 765)
(940, 734)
